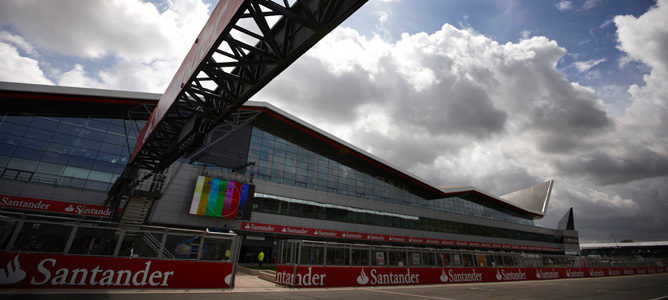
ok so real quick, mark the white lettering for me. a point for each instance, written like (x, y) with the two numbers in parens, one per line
(135, 278)
(44, 271)
(92, 277)
(392, 278)
(464, 277)
(154, 275)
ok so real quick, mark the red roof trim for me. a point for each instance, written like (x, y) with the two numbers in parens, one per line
(73, 98)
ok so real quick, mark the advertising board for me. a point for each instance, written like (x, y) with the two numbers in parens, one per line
(306, 231)
(39, 270)
(44, 205)
(341, 276)
(221, 198)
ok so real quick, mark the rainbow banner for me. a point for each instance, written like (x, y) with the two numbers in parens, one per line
(221, 198)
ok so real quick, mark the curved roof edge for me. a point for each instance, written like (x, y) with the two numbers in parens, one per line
(512, 204)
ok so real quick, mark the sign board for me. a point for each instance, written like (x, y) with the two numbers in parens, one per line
(339, 276)
(219, 19)
(221, 198)
(305, 231)
(39, 270)
(89, 210)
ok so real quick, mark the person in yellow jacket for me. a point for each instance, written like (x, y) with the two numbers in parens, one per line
(227, 254)
(260, 258)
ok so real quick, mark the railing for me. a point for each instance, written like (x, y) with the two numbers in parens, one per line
(51, 234)
(303, 252)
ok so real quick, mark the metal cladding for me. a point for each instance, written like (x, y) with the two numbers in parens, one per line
(533, 199)
(567, 222)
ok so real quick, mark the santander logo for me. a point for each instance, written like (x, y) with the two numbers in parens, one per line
(12, 273)
(69, 208)
(444, 277)
(501, 274)
(362, 279)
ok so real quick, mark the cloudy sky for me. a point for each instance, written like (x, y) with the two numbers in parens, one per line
(500, 95)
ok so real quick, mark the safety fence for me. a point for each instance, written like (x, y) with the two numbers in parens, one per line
(60, 252)
(327, 264)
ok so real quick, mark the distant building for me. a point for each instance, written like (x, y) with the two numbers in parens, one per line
(658, 249)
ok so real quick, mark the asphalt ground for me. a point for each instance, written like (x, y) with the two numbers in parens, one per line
(653, 286)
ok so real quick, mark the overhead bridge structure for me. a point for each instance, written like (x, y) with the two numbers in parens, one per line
(242, 47)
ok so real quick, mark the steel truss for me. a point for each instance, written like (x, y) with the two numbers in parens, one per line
(262, 39)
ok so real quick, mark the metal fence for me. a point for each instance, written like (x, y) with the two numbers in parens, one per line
(51, 234)
(304, 252)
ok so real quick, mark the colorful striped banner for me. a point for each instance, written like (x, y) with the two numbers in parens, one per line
(220, 198)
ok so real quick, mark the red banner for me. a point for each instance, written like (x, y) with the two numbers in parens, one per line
(37, 270)
(305, 231)
(337, 276)
(54, 206)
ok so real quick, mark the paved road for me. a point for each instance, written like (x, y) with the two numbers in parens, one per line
(626, 287)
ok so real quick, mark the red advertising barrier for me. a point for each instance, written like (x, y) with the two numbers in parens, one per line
(282, 229)
(39, 270)
(7, 201)
(336, 276)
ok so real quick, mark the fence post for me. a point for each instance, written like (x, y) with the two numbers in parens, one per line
(70, 239)
(119, 242)
(12, 240)
(294, 268)
(235, 248)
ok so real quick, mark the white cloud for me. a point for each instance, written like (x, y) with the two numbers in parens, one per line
(526, 33)
(584, 66)
(19, 42)
(564, 5)
(130, 29)
(607, 23)
(645, 39)
(589, 4)
(17, 68)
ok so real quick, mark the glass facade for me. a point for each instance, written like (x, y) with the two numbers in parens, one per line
(308, 209)
(87, 153)
(281, 161)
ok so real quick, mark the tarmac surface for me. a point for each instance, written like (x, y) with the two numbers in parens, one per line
(249, 287)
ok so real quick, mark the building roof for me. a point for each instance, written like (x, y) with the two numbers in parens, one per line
(43, 99)
(623, 245)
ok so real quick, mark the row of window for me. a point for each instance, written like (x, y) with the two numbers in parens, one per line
(283, 162)
(87, 153)
(321, 211)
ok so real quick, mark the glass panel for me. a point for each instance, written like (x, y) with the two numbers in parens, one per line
(182, 246)
(337, 256)
(139, 244)
(22, 164)
(94, 241)
(414, 258)
(216, 249)
(360, 257)
(312, 255)
(397, 258)
(36, 237)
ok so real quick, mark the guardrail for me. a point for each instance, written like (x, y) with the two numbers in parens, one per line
(327, 264)
(305, 252)
(60, 252)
